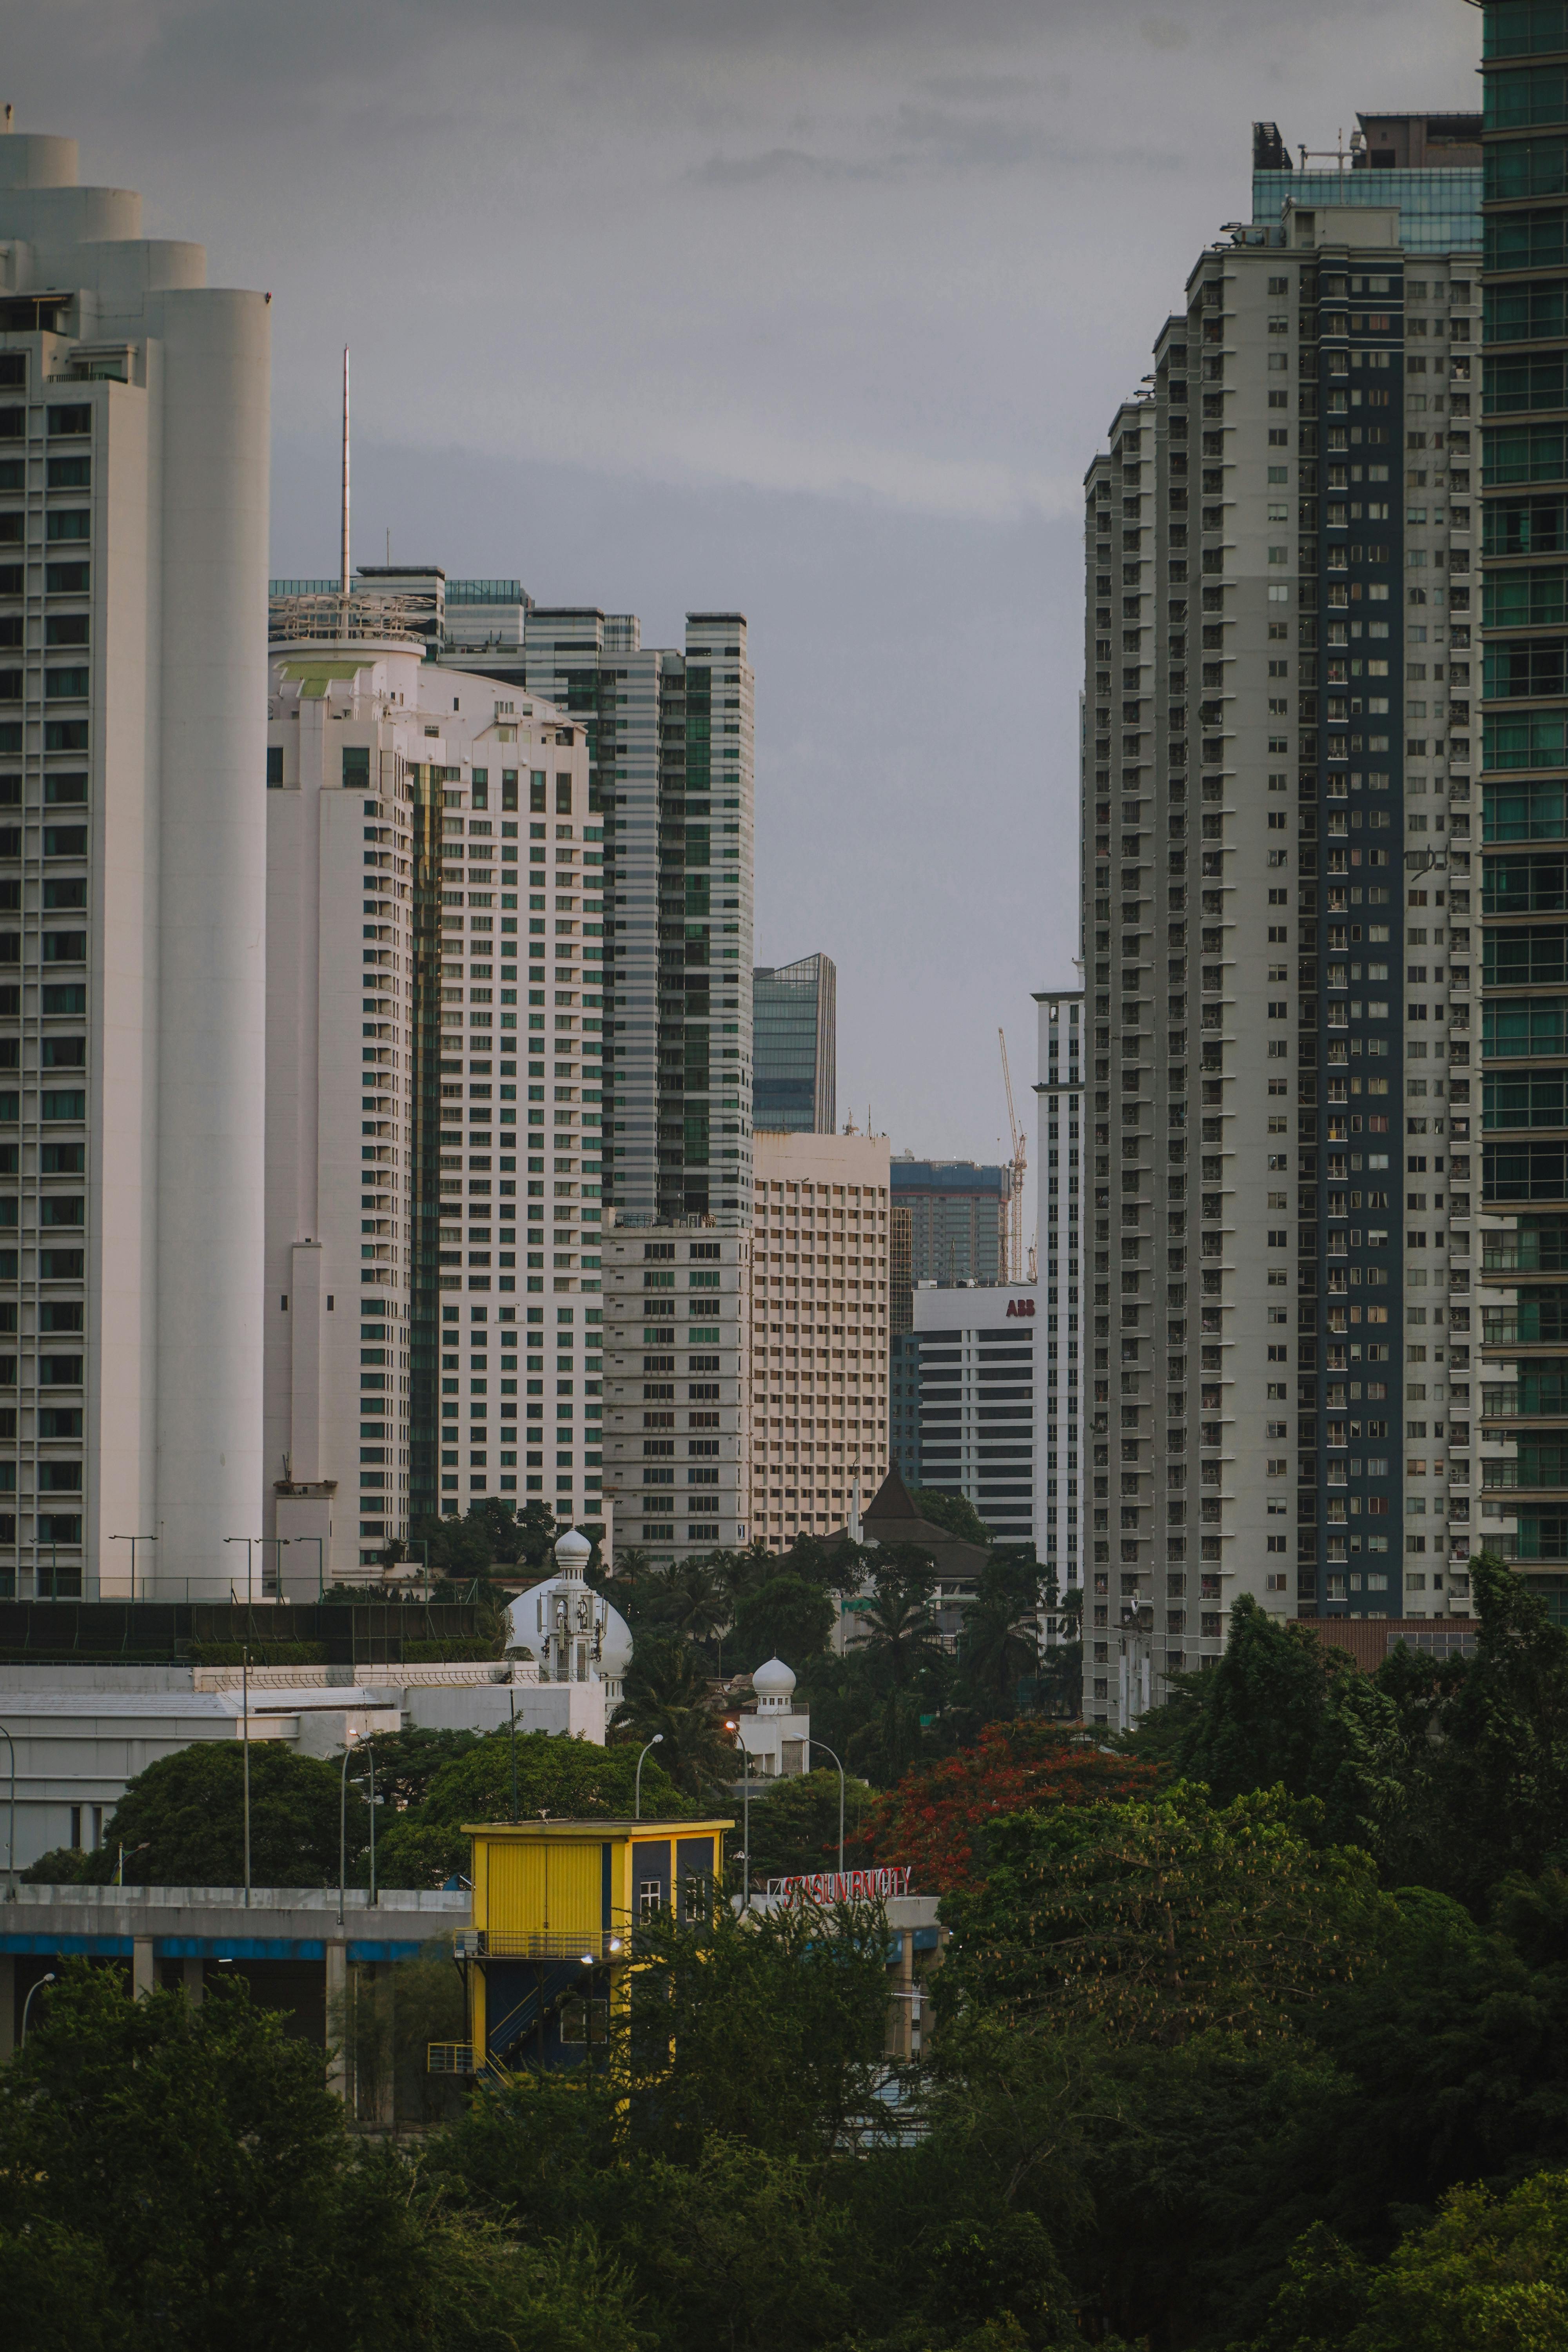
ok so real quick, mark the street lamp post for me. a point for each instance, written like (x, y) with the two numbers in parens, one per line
(47, 1977)
(11, 1831)
(370, 1753)
(733, 1724)
(245, 1744)
(247, 1541)
(349, 1745)
(657, 1741)
(132, 1541)
(827, 1751)
(282, 1542)
(320, 1561)
(423, 1544)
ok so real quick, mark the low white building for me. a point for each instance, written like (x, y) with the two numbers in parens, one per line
(778, 1735)
(81, 1734)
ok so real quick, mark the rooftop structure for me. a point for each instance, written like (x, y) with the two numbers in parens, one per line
(795, 1052)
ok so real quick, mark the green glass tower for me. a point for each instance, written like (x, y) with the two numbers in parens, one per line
(1524, 1270)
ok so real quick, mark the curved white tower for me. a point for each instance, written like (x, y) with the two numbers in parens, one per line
(133, 426)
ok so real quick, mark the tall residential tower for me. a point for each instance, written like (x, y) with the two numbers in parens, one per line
(1523, 476)
(133, 491)
(1277, 926)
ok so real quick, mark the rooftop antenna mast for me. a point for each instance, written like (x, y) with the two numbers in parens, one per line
(1013, 1214)
(343, 580)
(1339, 154)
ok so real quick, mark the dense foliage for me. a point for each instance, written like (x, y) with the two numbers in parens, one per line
(181, 1823)
(935, 1820)
(176, 2178)
(1252, 2040)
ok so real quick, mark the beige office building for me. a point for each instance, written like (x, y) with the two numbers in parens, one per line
(819, 1331)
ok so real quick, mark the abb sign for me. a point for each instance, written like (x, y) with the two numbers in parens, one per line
(1020, 1306)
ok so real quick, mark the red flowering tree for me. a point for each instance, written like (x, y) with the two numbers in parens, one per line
(933, 1819)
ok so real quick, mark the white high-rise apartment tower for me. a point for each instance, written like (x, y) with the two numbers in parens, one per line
(1060, 1480)
(134, 494)
(1277, 924)
(420, 1332)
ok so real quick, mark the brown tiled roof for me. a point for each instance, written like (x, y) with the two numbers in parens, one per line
(1369, 1640)
(891, 1517)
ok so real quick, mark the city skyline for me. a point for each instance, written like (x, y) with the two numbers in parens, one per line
(825, 495)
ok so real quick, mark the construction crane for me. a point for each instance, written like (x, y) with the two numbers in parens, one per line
(1013, 1224)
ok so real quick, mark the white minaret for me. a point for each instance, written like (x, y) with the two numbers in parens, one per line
(572, 1629)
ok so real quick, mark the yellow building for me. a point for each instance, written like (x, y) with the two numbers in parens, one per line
(555, 1907)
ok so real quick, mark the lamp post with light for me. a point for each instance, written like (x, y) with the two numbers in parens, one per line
(732, 1723)
(133, 1541)
(350, 1742)
(11, 1831)
(827, 1751)
(47, 1977)
(657, 1741)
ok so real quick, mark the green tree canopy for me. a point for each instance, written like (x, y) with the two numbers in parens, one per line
(1162, 1917)
(1489, 2273)
(182, 1821)
(668, 1691)
(174, 2177)
(572, 1779)
(785, 1618)
(795, 1825)
(956, 1513)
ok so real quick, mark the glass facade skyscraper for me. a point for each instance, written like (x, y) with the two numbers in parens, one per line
(958, 1218)
(1524, 760)
(793, 1052)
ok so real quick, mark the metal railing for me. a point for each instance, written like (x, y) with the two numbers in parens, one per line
(503, 1944)
(333, 616)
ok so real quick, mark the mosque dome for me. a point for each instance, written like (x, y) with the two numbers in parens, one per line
(572, 1552)
(571, 1630)
(773, 1684)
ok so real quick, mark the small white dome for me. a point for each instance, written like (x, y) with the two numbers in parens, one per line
(572, 1553)
(776, 1680)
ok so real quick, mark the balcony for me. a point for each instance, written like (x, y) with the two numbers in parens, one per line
(1544, 1470)
(1545, 1398)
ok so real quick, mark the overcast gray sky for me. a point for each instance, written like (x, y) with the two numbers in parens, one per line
(818, 307)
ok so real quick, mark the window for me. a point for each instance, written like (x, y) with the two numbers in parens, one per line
(356, 768)
(536, 781)
(274, 767)
(67, 522)
(562, 795)
(74, 419)
(69, 473)
(650, 1897)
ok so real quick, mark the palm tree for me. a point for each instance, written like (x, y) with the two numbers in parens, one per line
(998, 1646)
(690, 1599)
(666, 1692)
(900, 1628)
